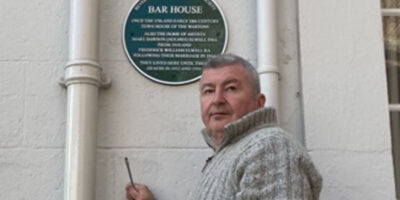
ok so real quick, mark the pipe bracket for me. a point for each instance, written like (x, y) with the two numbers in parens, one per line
(270, 70)
(84, 72)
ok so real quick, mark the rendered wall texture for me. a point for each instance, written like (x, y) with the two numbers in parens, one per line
(345, 97)
(33, 50)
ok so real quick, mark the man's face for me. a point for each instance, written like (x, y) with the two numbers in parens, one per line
(225, 96)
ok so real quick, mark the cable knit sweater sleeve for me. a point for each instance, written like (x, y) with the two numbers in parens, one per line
(275, 167)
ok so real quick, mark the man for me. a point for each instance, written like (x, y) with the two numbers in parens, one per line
(253, 158)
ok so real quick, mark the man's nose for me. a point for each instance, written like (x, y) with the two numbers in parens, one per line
(219, 97)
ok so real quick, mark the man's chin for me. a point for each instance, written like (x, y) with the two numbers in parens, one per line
(219, 125)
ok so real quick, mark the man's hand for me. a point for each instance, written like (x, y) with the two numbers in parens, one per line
(140, 192)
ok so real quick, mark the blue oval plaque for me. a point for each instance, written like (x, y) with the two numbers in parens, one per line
(169, 41)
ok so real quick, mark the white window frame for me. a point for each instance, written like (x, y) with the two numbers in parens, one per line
(390, 12)
(393, 107)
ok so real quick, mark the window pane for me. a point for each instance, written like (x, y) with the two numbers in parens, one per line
(390, 3)
(391, 27)
(395, 127)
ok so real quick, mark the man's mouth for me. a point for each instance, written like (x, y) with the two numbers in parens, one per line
(218, 114)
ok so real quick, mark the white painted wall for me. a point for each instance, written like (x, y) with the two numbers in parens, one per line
(157, 126)
(33, 51)
(345, 99)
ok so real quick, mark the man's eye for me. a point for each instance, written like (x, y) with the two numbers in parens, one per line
(231, 89)
(208, 91)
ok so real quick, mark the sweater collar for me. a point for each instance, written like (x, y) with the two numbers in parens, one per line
(241, 127)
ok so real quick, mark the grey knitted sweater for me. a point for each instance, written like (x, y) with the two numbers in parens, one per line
(257, 160)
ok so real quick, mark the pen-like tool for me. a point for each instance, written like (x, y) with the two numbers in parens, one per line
(129, 172)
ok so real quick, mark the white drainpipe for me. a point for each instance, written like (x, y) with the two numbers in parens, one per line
(83, 78)
(267, 51)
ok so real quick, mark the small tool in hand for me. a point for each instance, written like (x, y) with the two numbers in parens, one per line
(129, 172)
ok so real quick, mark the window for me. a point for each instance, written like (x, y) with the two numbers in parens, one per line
(391, 30)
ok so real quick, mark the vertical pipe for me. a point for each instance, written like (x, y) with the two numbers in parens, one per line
(83, 78)
(83, 30)
(81, 142)
(267, 55)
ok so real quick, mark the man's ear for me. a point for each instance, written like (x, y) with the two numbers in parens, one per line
(261, 100)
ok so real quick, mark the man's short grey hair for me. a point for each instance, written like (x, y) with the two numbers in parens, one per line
(231, 59)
